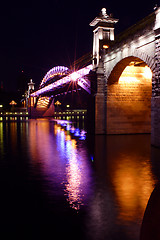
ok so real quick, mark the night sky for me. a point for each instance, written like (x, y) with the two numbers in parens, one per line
(38, 36)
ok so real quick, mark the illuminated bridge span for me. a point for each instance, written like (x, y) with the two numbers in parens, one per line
(77, 77)
(57, 82)
(125, 78)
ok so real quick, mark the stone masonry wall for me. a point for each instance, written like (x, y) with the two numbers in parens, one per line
(129, 103)
(155, 103)
(100, 110)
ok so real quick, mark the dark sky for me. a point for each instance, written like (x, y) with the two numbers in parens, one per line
(37, 36)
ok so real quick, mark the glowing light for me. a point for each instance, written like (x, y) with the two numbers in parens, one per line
(67, 79)
(77, 132)
(68, 138)
(43, 102)
(105, 46)
(58, 70)
(147, 73)
(74, 76)
(1, 106)
(83, 135)
(130, 74)
(72, 130)
(75, 183)
(104, 11)
(130, 98)
(57, 103)
(13, 102)
(68, 127)
(92, 158)
(128, 80)
(127, 180)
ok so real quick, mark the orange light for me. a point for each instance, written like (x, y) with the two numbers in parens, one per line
(147, 73)
(105, 46)
(57, 103)
(135, 75)
(13, 102)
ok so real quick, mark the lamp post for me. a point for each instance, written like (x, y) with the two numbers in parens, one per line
(13, 103)
(57, 104)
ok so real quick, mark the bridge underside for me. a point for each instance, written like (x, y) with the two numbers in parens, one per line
(70, 95)
(129, 102)
(127, 105)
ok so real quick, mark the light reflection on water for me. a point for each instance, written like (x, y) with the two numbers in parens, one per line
(126, 180)
(106, 180)
(132, 178)
(60, 160)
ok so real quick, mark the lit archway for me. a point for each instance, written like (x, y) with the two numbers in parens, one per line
(129, 92)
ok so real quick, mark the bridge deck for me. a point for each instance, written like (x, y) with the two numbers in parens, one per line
(78, 77)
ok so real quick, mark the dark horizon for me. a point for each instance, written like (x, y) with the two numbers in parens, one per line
(37, 39)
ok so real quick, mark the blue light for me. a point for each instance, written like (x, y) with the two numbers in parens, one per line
(72, 130)
(77, 132)
(82, 137)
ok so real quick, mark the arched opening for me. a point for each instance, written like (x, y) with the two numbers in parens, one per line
(129, 93)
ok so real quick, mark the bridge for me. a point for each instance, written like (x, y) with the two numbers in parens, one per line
(57, 82)
(125, 90)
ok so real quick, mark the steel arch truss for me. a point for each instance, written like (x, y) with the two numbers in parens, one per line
(77, 77)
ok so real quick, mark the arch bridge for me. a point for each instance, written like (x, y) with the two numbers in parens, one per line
(127, 100)
(125, 94)
(57, 83)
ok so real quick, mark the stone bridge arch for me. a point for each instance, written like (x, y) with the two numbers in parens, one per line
(141, 42)
(128, 103)
(118, 64)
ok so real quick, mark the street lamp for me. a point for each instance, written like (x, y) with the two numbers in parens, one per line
(57, 103)
(12, 103)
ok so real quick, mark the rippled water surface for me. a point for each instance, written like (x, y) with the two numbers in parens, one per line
(55, 181)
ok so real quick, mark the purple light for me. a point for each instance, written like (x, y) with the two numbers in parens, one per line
(72, 130)
(59, 70)
(83, 132)
(82, 138)
(85, 84)
(68, 127)
(83, 135)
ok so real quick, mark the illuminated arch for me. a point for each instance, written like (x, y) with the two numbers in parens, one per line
(129, 92)
(120, 64)
(55, 71)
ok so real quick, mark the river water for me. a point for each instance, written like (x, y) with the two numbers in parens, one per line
(56, 183)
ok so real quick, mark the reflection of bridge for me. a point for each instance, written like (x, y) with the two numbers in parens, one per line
(127, 82)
